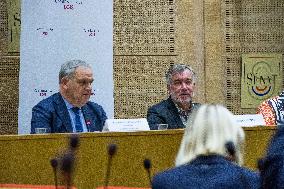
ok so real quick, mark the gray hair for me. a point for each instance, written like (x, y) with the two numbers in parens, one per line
(178, 68)
(212, 128)
(69, 67)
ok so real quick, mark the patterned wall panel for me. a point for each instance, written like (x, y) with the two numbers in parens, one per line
(250, 26)
(144, 27)
(144, 47)
(9, 95)
(9, 79)
(139, 83)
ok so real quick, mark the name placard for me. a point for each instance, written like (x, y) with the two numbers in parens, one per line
(249, 120)
(126, 125)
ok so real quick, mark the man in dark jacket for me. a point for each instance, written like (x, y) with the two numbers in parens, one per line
(176, 110)
(70, 110)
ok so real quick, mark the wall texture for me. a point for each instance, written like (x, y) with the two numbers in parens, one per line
(248, 26)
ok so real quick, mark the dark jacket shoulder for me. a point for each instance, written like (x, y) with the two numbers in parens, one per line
(166, 112)
(207, 172)
(52, 114)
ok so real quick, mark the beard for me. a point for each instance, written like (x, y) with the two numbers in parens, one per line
(180, 100)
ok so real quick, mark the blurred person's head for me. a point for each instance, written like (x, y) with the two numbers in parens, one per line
(181, 84)
(211, 130)
(75, 80)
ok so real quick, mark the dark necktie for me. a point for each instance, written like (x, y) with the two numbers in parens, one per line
(78, 124)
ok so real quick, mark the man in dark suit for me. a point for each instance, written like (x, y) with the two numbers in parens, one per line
(70, 110)
(176, 110)
(271, 166)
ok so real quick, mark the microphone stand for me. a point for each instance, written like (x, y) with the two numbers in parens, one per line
(68, 160)
(54, 165)
(147, 166)
(111, 151)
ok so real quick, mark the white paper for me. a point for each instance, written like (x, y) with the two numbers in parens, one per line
(55, 31)
(122, 125)
(249, 120)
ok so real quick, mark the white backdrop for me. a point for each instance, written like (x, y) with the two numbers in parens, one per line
(54, 31)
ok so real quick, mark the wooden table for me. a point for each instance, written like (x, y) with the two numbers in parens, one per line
(25, 159)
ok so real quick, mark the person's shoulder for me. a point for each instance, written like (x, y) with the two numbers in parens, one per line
(160, 104)
(253, 177)
(268, 101)
(94, 105)
(175, 171)
(247, 173)
(48, 101)
(172, 177)
(240, 175)
(266, 105)
(167, 174)
(273, 98)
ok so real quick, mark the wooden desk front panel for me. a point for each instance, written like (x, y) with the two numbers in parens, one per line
(25, 159)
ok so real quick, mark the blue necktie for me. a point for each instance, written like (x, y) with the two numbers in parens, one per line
(78, 124)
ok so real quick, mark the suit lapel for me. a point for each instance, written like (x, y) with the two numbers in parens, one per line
(62, 112)
(174, 114)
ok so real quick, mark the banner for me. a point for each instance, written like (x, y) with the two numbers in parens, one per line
(261, 78)
(55, 31)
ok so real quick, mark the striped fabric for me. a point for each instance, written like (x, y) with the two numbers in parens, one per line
(273, 110)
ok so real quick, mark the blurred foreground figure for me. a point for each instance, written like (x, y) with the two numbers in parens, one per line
(210, 155)
(272, 165)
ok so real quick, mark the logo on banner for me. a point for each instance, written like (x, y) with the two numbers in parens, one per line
(49, 92)
(69, 4)
(44, 31)
(43, 92)
(261, 78)
(91, 32)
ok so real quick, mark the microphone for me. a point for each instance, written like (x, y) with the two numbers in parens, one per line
(147, 166)
(112, 148)
(67, 167)
(74, 142)
(68, 160)
(54, 164)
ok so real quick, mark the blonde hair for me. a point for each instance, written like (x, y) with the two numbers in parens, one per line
(212, 127)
